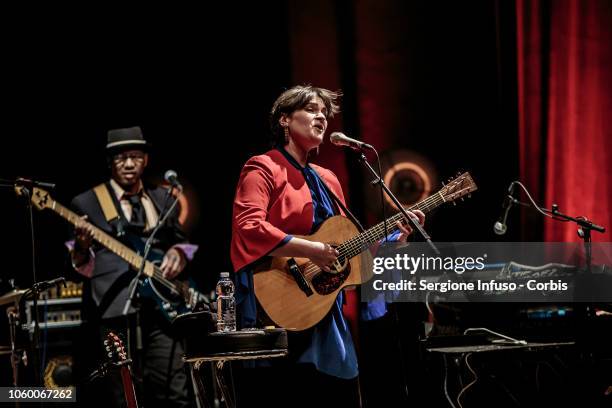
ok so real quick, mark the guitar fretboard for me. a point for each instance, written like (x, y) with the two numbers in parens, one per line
(119, 249)
(41, 199)
(363, 241)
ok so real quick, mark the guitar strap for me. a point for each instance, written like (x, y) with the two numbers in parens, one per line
(340, 204)
(106, 202)
(108, 207)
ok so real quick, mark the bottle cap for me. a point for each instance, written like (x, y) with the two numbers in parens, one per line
(224, 274)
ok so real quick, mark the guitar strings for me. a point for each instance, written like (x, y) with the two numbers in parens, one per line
(357, 244)
(120, 249)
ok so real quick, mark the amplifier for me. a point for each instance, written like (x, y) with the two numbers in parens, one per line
(54, 313)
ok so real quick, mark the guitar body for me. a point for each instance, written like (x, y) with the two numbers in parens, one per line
(296, 294)
(171, 303)
(287, 304)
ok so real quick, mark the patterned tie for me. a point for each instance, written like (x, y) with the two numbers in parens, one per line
(138, 216)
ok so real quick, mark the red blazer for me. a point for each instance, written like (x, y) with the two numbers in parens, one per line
(272, 200)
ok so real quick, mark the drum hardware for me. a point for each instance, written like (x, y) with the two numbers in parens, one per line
(19, 299)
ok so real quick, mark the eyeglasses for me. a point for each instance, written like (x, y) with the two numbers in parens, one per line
(123, 157)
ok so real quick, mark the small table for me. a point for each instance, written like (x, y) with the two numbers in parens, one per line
(462, 352)
(484, 348)
(221, 347)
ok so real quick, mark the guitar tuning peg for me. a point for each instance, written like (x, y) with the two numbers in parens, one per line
(469, 196)
(454, 203)
(106, 342)
(110, 355)
(461, 198)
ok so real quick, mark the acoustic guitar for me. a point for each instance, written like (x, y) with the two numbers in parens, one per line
(296, 294)
(115, 351)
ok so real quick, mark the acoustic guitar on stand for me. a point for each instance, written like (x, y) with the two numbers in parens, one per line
(115, 351)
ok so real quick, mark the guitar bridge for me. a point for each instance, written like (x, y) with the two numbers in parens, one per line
(295, 271)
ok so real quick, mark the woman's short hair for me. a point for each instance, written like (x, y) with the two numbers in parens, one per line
(297, 98)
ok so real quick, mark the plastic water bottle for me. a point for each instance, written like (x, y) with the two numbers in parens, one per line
(226, 304)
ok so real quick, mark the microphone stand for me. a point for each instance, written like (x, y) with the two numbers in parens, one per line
(584, 230)
(584, 312)
(416, 226)
(35, 291)
(136, 281)
(584, 225)
(413, 223)
(23, 187)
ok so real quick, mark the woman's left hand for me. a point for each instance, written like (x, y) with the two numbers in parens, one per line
(407, 229)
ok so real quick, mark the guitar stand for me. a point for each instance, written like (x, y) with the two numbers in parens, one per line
(105, 368)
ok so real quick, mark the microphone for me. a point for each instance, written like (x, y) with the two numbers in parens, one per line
(42, 286)
(171, 177)
(340, 139)
(51, 283)
(500, 226)
(33, 183)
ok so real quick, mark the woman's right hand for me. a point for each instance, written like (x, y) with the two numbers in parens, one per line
(323, 255)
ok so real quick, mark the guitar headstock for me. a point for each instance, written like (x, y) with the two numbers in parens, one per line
(115, 350)
(458, 187)
(40, 198)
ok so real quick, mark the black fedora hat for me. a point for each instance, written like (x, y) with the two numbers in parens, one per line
(125, 139)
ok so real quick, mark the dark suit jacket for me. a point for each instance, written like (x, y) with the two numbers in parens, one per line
(108, 287)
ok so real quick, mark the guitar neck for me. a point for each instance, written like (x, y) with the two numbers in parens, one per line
(363, 241)
(119, 249)
(128, 388)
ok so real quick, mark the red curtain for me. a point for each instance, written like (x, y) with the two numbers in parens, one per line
(565, 100)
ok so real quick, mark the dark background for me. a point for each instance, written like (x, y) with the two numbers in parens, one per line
(201, 88)
(200, 83)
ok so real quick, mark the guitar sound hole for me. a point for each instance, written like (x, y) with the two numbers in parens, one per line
(325, 283)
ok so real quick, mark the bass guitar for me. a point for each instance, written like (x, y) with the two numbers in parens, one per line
(174, 297)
